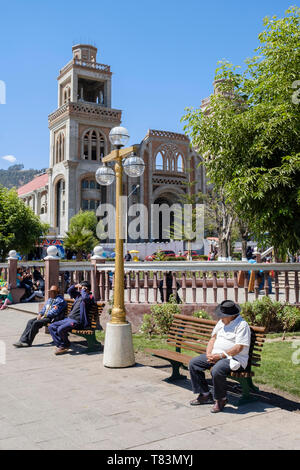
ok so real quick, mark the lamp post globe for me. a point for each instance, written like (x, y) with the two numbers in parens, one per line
(134, 166)
(119, 136)
(105, 175)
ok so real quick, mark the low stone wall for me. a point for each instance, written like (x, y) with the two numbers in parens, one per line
(135, 312)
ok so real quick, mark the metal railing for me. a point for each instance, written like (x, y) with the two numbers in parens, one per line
(203, 282)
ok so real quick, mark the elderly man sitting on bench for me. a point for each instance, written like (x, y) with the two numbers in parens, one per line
(227, 350)
(78, 317)
(53, 310)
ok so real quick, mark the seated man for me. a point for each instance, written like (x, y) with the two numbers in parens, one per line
(52, 311)
(78, 317)
(228, 349)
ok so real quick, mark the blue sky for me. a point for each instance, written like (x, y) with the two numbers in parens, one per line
(163, 55)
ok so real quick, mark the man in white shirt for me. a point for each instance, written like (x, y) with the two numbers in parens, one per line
(227, 350)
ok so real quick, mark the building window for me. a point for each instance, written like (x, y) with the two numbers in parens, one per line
(93, 146)
(89, 184)
(180, 163)
(159, 162)
(169, 159)
(67, 94)
(60, 147)
(90, 204)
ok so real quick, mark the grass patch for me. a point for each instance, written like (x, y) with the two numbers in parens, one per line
(277, 369)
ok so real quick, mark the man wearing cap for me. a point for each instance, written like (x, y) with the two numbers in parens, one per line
(78, 317)
(52, 311)
(227, 350)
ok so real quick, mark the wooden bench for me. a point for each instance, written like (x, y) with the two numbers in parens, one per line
(90, 333)
(193, 334)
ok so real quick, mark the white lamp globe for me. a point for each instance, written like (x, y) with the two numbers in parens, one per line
(119, 136)
(12, 254)
(105, 175)
(134, 166)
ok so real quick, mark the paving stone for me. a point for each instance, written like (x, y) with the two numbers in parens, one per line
(74, 402)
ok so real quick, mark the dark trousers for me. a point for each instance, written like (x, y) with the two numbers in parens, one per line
(219, 372)
(32, 329)
(60, 332)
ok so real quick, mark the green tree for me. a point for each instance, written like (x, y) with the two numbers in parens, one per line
(20, 228)
(81, 236)
(249, 135)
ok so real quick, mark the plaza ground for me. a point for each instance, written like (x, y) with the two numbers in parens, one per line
(73, 402)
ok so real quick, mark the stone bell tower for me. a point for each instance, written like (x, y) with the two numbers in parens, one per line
(79, 130)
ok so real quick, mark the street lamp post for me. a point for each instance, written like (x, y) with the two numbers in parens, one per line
(118, 349)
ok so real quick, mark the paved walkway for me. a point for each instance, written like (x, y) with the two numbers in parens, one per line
(73, 402)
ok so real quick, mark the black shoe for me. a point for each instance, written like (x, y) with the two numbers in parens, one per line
(203, 400)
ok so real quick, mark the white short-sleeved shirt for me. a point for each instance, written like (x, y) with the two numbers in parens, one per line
(227, 336)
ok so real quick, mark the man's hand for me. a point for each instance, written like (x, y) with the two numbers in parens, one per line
(213, 358)
(39, 317)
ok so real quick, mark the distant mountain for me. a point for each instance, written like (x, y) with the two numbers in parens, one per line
(16, 176)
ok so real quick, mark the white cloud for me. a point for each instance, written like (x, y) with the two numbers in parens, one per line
(10, 158)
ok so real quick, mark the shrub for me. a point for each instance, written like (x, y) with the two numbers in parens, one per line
(161, 318)
(289, 317)
(148, 326)
(262, 313)
(202, 314)
(274, 316)
(201, 257)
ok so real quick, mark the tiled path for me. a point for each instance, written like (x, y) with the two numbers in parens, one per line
(73, 402)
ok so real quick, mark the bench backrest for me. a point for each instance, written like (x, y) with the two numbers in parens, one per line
(94, 313)
(193, 334)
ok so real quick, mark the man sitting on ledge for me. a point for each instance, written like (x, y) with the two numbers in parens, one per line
(52, 311)
(227, 350)
(77, 319)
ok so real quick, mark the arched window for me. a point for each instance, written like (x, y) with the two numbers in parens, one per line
(60, 204)
(60, 147)
(159, 162)
(168, 158)
(180, 167)
(67, 94)
(93, 145)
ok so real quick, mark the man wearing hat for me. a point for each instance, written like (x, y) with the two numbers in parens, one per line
(78, 317)
(53, 310)
(227, 350)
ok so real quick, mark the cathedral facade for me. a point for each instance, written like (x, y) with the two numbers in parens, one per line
(79, 139)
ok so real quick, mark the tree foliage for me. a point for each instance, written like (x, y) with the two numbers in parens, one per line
(20, 228)
(249, 135)
(81, 236)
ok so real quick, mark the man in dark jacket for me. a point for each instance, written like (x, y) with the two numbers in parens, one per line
(78, 317)
(53, 310)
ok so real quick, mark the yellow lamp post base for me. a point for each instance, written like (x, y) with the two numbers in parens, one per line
(118, 316)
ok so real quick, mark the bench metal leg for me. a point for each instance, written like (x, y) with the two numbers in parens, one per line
(176, 372)
(245, 383)
(252, 386)
(93, 344)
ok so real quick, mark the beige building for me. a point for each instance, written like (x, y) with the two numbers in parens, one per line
(79, 130)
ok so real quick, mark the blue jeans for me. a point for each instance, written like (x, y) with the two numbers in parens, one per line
(261, 285)
(59, 331)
